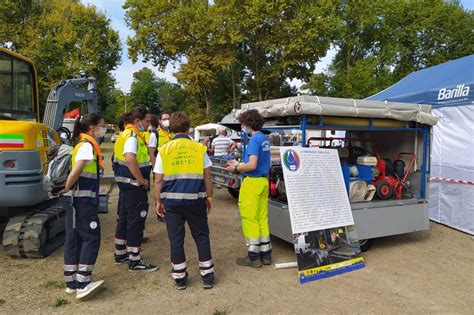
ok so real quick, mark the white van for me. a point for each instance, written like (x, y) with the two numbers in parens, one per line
(301, 247)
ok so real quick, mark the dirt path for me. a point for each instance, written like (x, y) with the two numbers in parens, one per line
(423, 272)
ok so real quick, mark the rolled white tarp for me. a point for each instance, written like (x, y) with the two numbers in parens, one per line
(344, 107)
(286, 265)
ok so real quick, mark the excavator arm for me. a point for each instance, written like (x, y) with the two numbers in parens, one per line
(66, 92)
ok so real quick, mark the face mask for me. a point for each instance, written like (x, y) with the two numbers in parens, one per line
(151, 128)
(141, 128)
(100, 133)
(245, 130)
(165, 123)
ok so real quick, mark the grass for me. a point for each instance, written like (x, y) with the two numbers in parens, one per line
(102, 290)
(220, 312)
(54, 284)
(61, 302)
(2, 301)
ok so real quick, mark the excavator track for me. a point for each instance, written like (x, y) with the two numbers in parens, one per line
(12, 245)
(36, 234)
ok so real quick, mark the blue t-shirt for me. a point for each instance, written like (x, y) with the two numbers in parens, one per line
(259, 146)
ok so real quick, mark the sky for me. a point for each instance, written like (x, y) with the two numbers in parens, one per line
(123, 74)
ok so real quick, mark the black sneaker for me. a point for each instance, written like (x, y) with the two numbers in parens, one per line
(142, 266)
(181, 283)
(208, 281)
(120, 259)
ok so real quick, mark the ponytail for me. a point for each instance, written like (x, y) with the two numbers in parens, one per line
(76, 131)
(82, 125)
(124, 120)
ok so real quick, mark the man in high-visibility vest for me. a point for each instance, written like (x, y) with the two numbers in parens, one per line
(132, 174)
(164, 134)
(183, 188)
(151, 138)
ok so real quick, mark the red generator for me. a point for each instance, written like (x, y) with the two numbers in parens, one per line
(392, 178)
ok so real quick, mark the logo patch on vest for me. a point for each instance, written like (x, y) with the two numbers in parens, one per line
(143, 213)
(93, 225)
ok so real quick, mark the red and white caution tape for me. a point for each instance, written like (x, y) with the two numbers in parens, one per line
(457, 181)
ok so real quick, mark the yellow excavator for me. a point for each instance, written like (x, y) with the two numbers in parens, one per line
(33, 221)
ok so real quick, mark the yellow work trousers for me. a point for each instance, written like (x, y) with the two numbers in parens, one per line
(253, 205)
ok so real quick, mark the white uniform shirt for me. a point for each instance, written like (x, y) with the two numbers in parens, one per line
(130, 146)
(85, 153)
(153, 141)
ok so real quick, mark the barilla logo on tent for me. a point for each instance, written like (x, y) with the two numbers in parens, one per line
(459, 91)
(12, 141)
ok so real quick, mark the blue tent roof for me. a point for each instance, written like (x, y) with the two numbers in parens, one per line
(448, 84)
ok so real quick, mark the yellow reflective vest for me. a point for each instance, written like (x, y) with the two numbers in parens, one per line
(123, 176)
(183, 170)
(88, 184)
(164, 137)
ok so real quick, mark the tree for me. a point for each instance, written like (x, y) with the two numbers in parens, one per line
(117, 104)
(144, 90)
(172, 96)
(250, 46)
(168, 32)
(380, 42)
(64, 38)
(281, 40)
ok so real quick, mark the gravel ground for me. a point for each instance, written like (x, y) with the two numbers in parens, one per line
(424, 272)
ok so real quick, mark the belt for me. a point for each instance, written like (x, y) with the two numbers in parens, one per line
(126, 180)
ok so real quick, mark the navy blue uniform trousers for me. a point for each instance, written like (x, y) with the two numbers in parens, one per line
(196, 216)
(132, 213)
(82, 242)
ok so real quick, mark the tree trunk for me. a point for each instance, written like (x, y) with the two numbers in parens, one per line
(208, 104)
(234, 100)
(257, 79)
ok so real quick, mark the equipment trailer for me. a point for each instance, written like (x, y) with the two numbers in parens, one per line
(372, 129)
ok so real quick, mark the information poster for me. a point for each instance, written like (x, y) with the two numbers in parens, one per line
(321, 217)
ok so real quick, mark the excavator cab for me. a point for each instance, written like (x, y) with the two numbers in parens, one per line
(32, 222)
(18, 88)
(24, 142)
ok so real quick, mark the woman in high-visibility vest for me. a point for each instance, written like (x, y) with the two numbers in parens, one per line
(81, 196)
(253, 195)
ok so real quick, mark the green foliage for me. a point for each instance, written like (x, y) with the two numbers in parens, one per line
(102, 290)
(380, 42)
(246, 49)
(172, 97)
(53, 284)
(64, 38)
(61, 302)
(2, 301)
(157, 94)
(220, 312)
(144, 89)
(117, 104)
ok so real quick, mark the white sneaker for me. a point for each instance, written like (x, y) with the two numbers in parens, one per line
(90, 288)
(70, 291)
